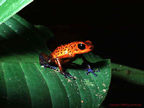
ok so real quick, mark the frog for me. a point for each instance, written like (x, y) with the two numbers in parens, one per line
(64, 53)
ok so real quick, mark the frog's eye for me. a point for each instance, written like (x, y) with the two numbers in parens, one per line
(81, 46)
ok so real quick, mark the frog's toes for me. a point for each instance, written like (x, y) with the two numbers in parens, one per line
(89, 70)
(97, 70)
(68, 75)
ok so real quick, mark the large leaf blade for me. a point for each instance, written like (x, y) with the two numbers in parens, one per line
(15, 82)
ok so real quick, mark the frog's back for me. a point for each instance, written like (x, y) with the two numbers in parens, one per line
(65, 51)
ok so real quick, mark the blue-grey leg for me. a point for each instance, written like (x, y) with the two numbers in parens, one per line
(44, 63)
(89, 70)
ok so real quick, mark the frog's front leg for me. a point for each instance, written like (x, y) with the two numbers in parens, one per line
(57, 61)
(89, 70)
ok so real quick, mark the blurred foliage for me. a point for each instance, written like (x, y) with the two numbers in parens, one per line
(10, 7)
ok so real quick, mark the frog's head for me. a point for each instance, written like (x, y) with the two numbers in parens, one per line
(84, 47)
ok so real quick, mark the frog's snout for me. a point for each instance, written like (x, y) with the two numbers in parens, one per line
(92, 47)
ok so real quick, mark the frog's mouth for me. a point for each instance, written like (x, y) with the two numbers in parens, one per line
(89, 44)
(91, 47)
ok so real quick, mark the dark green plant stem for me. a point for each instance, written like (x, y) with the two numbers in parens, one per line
(129, 74)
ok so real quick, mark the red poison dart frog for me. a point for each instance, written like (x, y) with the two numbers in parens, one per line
(63, 53)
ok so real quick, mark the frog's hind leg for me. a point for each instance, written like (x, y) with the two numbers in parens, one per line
(57, 61)
(45, 61)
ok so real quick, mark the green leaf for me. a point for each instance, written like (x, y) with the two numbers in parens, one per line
(10, 7)
(24, 83)
(129, 74)
(78, 61)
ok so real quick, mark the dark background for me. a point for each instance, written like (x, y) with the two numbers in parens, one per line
(116, 30)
